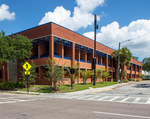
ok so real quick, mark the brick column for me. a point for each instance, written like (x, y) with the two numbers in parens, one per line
(51, 47)
(135, 71)
(62, 46)
(79, 67)
(131, 72)
(39, 52)
(101, 59)
(85, 53)
(39, 68)
(106, 65)
(111, 76)
(73, 55)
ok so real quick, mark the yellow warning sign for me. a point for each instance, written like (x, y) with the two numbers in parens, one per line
(27, 73)
(26, 66)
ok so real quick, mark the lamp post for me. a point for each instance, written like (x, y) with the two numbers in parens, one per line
(94, 60)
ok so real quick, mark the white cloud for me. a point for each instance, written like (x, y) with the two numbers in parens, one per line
(112, 34)
(82, 15)
(5, 13)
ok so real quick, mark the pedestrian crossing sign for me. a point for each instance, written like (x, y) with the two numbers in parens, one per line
(26, 66)
(27, 73)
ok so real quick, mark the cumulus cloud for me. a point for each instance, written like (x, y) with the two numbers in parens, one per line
(112, 34)
(5, 13)
(82, 15)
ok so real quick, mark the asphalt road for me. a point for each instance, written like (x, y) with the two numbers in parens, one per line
(16, 106)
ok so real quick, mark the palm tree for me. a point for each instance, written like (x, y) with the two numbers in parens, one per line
(125, 58)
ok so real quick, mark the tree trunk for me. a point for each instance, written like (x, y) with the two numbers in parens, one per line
(84, 81)
(116, 70)
(55, 88)
(103, 81)
(121, 72)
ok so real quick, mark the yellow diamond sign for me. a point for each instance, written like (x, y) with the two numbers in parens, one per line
(27, 73)
(26, 66)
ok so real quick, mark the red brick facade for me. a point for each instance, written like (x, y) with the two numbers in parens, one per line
(68, 55)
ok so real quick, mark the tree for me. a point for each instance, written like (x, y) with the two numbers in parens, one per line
(125, 58)
(14, 47)
(124, 73)
(134, 57)
(98, 74)
(5, 49)
(33, 74)
(22, 47)
(54, 72)
(75, 75)
(105, 74)
(146, 64)
(85, 75)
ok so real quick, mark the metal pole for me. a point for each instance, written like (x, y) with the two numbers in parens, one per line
(72, 82)
(118, 62)
(95, 27)
(3, 74)
(27, 85)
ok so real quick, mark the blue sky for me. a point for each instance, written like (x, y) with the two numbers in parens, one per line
(118, 20)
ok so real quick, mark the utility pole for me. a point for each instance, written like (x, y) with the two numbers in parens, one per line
(94, 60)
(118, 62)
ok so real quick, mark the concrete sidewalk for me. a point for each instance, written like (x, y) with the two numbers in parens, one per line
(91, 90)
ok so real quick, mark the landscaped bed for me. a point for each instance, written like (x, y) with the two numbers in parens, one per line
(65, 88)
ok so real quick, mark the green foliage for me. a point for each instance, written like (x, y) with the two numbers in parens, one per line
(54, 72)
(33, 74)
(66, 88)
(125, 81)
(10, 85)
(85, 75)
(146, 64)
(105, 74)
(76, 74)
(98, 74)
(5, 49)
(22, 47)
(14, 47)
(136, 58)
(142, 75)
(125, 57)
(124, 73)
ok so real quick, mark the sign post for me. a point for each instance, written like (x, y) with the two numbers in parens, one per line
(27, 66)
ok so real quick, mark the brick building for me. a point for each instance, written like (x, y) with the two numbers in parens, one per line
(59, 43)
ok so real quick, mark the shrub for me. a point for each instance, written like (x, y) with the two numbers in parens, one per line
(11, 85)
(115, 80)
(125, 81)
(133, 80)
(137, 80)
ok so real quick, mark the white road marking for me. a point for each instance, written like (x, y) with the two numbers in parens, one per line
(113, 99)
(93, 97)
(103, 98)
(84, 97)
(136, 100)
(148, 101)
(124, 99)
(125, 115)
(74, 97)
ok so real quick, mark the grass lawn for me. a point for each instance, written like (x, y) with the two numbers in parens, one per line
(65, 88)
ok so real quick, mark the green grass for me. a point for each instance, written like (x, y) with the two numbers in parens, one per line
(66, 88)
